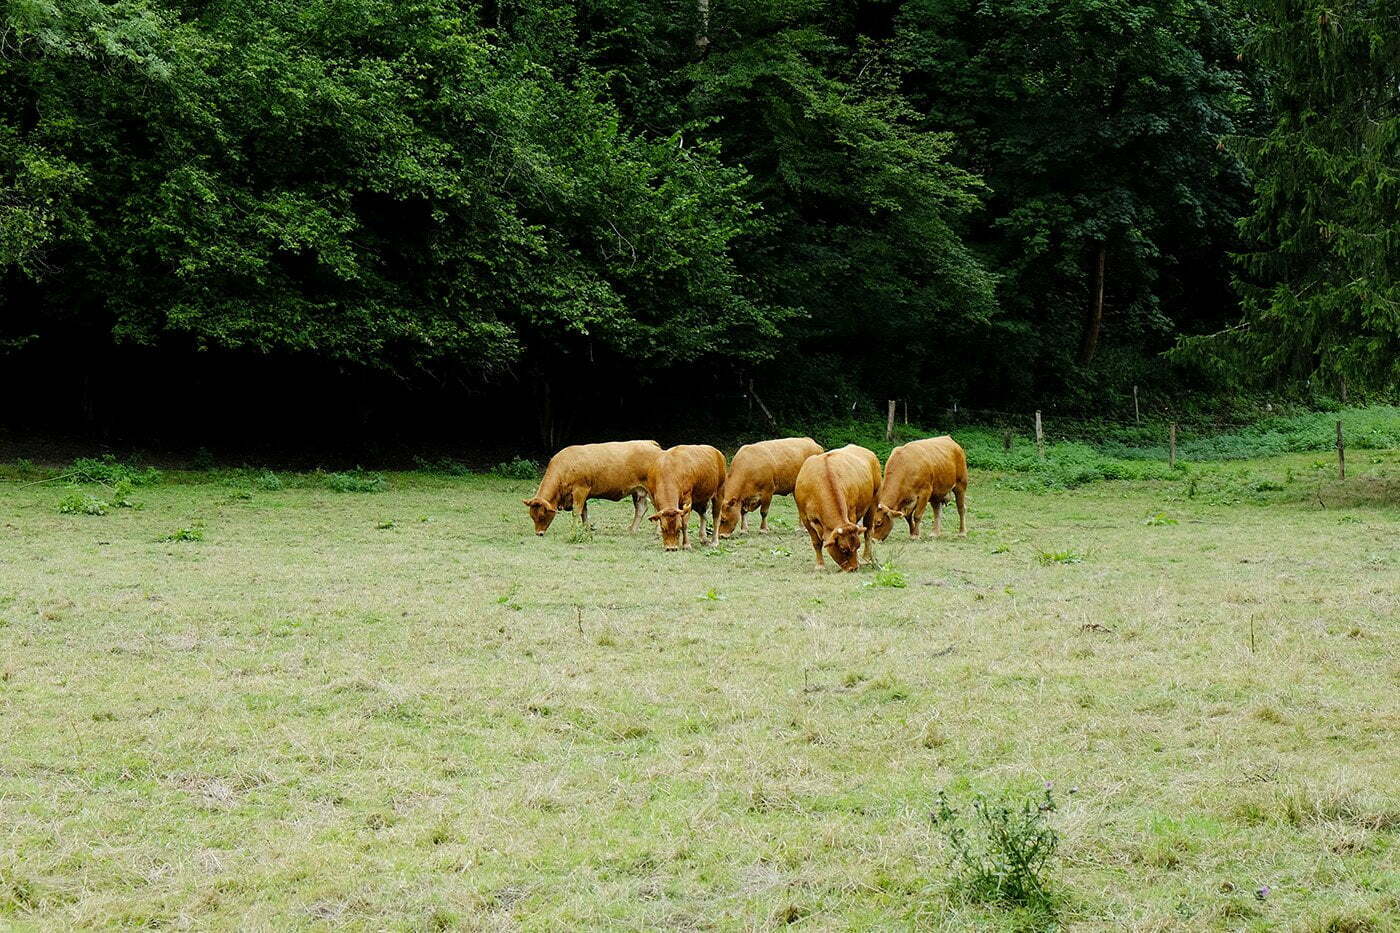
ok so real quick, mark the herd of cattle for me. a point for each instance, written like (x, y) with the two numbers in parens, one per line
(841, 494)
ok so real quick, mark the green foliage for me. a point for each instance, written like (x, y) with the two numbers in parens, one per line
(81, 503)
(109, 471)
(185, 534)
(443, 465)
(1321, 272)
(1001, 854)
(356, 481)
(1159, 520)
(887, 574)
(268, 480)
(519, 468)
(1066, 556)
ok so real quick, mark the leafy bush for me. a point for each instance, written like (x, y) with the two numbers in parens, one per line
(109, 471)
(443, 465)
(1001, 854)
(185, 534)
(357, 481)
(519, 468)
(81, 503)
(121, 496)
(268, 480)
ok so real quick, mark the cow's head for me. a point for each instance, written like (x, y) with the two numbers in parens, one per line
(884, 521)
(541, 513)
(843, 544)
(670, 522)
(731, 510)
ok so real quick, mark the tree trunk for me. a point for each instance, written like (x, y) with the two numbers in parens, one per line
(702, 33)
(1094, 320)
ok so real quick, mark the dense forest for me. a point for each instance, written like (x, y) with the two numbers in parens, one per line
(225, 218)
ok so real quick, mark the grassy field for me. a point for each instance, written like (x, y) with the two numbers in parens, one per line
(268, 708)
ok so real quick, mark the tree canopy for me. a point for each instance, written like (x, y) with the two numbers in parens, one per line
(938, 199)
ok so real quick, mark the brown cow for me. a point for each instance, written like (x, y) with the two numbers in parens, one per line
(593, 471)
(836, 494)
(680, 477)
(916, 474)
(760, 472)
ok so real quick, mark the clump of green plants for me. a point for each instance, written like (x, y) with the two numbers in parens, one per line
(81, 503)
(1158, 519)
(1066, 556)
(580, 533)
(519, 468)
(194, 533)
(122, 496)
(268, 481)
(108, 471)
(443, 465)
(357, 480)
(712, 595)
(887, 574)
(1001, 854)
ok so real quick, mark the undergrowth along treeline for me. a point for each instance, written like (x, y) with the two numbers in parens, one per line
(1094, 451)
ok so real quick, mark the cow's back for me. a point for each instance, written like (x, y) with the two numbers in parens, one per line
(695, 468)
(846, 479)
(610, 468)
(774, 463)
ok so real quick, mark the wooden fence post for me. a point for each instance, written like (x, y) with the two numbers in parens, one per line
(1137, 415)
(1006, 440)
(1039, 436)
(1171, 461)
(1341, 454)
(889, 422)
(906, 411)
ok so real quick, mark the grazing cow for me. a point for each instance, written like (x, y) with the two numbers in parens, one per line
(916, 474)
(760, 472)
(681, 477)
(836, 494)
(593, 471)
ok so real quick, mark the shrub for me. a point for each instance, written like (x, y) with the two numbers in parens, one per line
(121, 496)
(81, 503)
(108, 471)
(185, 534)
(357, 481)
(519, 468)
(1002, 854)
(444, 465)
(268, 480)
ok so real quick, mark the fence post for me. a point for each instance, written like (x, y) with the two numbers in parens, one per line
(1137, 415)
(1039, 436)
(1341, 454)
(889, 422)
(1171, 460)
(1006, 440)
(906, 411)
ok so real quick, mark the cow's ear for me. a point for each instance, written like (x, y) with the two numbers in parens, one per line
(527, 501)
(830, 539)
(654, 518)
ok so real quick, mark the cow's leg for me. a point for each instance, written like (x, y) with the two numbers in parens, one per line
(938, 516)
(580, 498)
(960, 493)
(816, 546)
(917, 514)
(639, 498)
(743, 518)
(714, 519)
(763, 507)
(869, 524)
